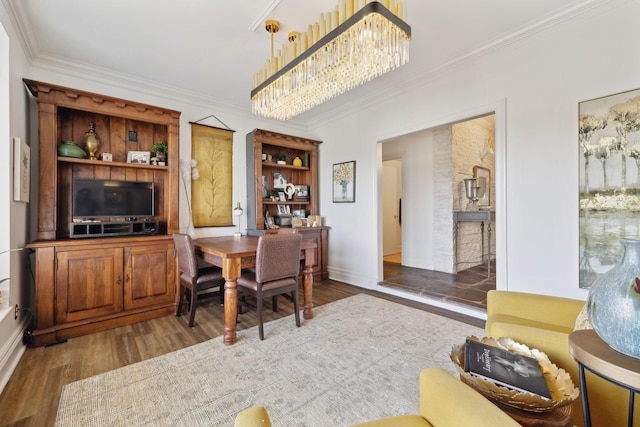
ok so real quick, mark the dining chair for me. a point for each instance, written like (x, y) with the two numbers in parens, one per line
(194, 279)
(276, 273)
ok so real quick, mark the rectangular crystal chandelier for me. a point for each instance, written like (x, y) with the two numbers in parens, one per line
(344, 49)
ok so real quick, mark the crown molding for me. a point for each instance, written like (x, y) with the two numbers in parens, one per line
(308, 120)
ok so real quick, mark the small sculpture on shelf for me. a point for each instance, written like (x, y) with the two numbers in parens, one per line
(91, 141)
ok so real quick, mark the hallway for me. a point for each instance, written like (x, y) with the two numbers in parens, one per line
(468, 287)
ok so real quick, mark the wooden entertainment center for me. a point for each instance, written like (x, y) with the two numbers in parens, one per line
(84, 285)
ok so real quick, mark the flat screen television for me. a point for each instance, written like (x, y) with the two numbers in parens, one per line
(106, 198)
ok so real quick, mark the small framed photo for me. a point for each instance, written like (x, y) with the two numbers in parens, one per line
(279, 180)
(268, 221)
(281, 196)
(141, 157)
(302, 190)
(299, 213)
(282, 209)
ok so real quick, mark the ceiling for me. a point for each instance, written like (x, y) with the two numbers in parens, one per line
(210, 49)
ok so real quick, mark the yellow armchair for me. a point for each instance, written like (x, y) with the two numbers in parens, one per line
(545, 322)
(444, 402)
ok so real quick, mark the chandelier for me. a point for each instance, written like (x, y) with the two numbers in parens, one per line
(344, 49)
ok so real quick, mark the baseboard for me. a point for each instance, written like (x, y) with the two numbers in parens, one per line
(10, 355)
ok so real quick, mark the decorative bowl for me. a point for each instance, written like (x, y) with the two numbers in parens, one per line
(563, 391)
(71, 149)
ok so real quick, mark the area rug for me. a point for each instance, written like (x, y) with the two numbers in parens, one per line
(358, 359)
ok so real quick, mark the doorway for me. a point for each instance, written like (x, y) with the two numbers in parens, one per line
(392, 210)
(422, 182)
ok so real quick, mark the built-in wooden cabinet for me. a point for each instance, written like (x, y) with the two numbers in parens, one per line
(263, 150)
(88, 284)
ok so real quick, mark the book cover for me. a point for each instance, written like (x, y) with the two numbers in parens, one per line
(512, 370)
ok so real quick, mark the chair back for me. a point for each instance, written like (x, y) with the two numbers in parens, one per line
(278, 256)
(187, 262)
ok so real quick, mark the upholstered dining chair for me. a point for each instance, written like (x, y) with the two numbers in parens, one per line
(193, 278)
(276, 273)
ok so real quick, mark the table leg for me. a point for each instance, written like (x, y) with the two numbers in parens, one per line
(631, 403)
(230, 272)
(585, 398)
(489, 249)
(309, 261)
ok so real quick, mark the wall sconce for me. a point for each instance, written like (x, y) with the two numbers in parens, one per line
(237, 211)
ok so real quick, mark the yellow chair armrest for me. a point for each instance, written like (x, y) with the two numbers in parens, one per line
(447, 401)
(255, 416)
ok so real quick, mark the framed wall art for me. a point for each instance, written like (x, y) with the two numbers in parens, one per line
(608, 180)
(21, 170)
(344, 182)
(483, 180)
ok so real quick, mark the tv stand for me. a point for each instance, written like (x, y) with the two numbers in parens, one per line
(105, 229)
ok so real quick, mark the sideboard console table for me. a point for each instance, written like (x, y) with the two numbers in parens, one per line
(483, 217)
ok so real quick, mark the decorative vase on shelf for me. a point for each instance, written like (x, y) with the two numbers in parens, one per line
(91, 141)
(71, 149)
(613, 304)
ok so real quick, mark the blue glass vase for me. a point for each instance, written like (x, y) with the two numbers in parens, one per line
(613, 304)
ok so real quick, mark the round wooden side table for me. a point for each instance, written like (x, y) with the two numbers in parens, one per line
(592, 353)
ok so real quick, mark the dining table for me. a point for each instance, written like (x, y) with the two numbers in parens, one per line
(235, 253)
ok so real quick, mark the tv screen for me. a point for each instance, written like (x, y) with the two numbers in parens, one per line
(100, 198)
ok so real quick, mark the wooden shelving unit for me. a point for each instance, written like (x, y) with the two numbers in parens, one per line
(91, 284)
(271, 144)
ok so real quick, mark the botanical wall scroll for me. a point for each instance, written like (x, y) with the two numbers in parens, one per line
(211, 151)
(344, 182)
(609, 180)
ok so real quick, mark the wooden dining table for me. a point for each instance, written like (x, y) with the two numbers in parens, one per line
(232, 254)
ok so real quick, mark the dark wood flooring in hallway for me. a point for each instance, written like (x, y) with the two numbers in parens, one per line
(468, 287)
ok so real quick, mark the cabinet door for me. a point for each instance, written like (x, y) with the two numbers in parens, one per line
(149, 275)
(88, 284)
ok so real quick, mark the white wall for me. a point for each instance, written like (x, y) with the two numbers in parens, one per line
(13, 124)
(540, 80)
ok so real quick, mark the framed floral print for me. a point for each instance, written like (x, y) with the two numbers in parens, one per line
(344, 182)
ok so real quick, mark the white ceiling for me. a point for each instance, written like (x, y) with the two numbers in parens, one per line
(212, 48)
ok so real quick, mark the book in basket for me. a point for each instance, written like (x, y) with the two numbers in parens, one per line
(506, 368)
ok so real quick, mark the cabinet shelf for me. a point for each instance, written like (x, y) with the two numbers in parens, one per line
(290, 202)
(110, 164)
(277, 166)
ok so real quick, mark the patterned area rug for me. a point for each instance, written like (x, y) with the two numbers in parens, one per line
(358, 359)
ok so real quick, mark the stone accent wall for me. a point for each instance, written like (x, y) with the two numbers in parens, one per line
(468, 141)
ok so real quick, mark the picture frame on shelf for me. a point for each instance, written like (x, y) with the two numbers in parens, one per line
(268, 222)
(281, 196)
(300, 213)
(302, 191)
(279, 180)
(139, 157)
(282, 209)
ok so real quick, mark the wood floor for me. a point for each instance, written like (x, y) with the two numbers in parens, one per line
(31, 396)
